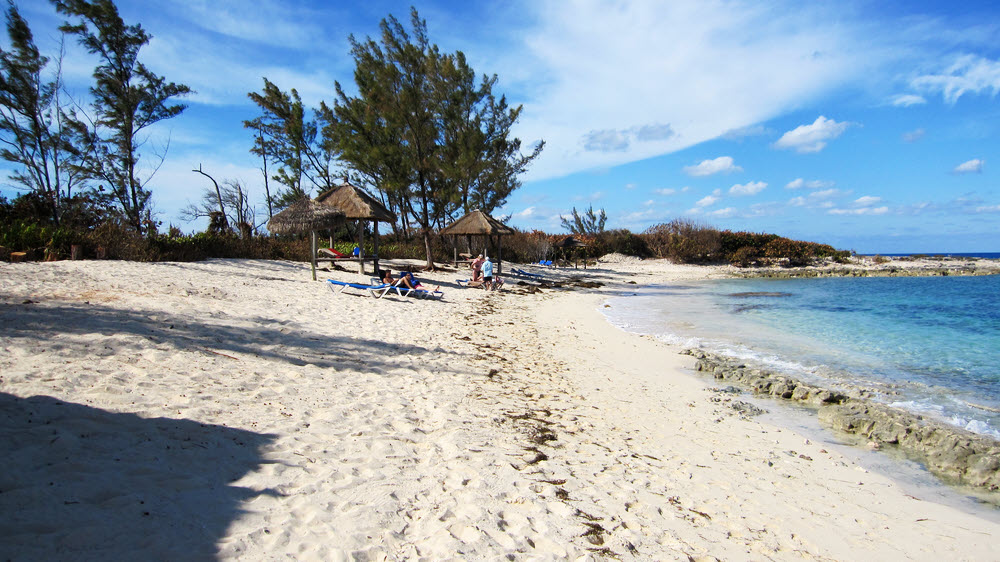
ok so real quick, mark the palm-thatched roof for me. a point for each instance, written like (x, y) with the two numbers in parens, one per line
(477, 222)
(305, 215)
(355, 203)
(571, 242)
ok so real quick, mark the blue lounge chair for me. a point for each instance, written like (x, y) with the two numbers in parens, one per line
(424, 293)
(377, 290)
(398, 286)
(527, 274)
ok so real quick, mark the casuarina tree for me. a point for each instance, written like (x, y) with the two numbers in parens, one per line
(127, 99)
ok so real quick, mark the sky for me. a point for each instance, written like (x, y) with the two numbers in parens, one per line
(873, 126)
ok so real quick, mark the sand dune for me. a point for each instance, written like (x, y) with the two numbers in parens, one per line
(237, 409)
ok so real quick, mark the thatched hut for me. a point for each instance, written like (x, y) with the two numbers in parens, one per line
(306, 215)
(478, 223)
(571, 245)
(357, 205)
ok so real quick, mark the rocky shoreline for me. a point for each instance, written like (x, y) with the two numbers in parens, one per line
(878, 267)
(953, 454)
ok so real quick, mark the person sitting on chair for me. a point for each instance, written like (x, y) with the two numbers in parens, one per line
(408, 280)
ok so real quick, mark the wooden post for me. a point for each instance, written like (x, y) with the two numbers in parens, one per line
(361, 247)
(499, 254)
(375, 233)
(312, 258)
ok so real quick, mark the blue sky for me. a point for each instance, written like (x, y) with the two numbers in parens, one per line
(872, 126)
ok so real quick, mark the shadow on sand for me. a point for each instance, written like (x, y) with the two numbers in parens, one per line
(81, 483)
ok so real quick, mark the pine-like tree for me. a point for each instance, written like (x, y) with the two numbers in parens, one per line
(35, 130)
(127, 99)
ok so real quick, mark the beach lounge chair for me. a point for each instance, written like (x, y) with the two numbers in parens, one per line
(329, 253)
(428, 294)
(523, 273)
(376, 290)
(397, 285)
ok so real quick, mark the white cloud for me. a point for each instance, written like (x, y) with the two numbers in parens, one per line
(867, 200)
(707, 201)
(906, 100)
(861, 211)
(750, 188)
(813, 137)
(825, 194)
(988, 209)
(744, 132)
(914, 136)
(649, 203)
(597, 78)
(974, 166)
(665, 191)
(968, 74)
(526, 213)
(799, 183)
(724, 213)
(611, 140)
(720, 165)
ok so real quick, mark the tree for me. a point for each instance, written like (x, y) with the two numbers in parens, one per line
(127, 99)
(224, 205)
(34, 128)
(287, 139)
(224, 224)
(423, 131)
(262, 147)
(587, 224)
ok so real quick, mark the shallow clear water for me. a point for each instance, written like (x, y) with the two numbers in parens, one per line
(929, 344)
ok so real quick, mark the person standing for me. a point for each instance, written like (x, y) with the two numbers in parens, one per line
(477, 268)
(488, 274)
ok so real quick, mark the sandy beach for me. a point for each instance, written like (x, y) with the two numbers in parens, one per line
(236, 409)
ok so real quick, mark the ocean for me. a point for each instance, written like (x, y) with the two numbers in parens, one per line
(927, 344)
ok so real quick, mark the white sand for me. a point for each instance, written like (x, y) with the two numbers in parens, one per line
(237, 409)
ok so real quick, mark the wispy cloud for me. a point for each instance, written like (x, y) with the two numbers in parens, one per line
(745, 132)
(914, 135)
(974, 166)
(720, 165)
(867, 200)
(611, 140)
(799, 183)
(970, 74)
(812, 137)
(906, 100)
(860, 211)
(724, 213)
(626, 67)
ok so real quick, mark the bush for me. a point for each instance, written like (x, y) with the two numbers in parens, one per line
(620, 241)
(683, 241)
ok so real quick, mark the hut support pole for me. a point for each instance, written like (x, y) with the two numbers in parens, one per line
(499, 254)
(375, 233)
(312, 258)
(361, 247)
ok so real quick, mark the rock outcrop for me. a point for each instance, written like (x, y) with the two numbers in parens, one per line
(953, 454)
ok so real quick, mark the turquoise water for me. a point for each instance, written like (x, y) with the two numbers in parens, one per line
(928, 344)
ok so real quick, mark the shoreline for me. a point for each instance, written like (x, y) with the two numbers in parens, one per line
(261, 415)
